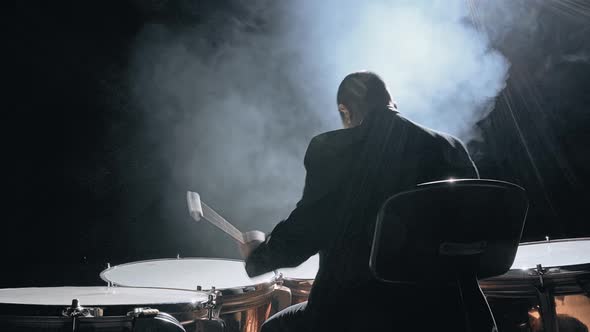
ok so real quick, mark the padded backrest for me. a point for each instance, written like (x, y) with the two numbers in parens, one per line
(418, 233)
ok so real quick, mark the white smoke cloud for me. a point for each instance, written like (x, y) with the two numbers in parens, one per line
(232, 103)
(441, 71)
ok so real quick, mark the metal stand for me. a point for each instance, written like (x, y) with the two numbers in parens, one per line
(477, 313)
(213, 306)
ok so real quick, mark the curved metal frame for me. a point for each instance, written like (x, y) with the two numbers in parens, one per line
(234, 299)
(258, 286)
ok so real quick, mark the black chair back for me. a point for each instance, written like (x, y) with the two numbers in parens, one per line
(420, 234)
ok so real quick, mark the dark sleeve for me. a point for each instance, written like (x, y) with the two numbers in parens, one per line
(301, 235)
(461, 164)
(465, 167)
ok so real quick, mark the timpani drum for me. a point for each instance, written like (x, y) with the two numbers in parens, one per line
(245, 302)
(547, 288)
(300, 279)
(98, 309)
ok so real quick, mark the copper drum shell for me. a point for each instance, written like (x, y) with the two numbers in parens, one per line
(245, 309)
(300, 289)
(522, 301)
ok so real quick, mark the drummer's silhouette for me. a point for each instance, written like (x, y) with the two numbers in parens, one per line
(350, 173)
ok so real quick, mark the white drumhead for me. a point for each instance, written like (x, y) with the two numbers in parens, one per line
(306, 270)
(89, 296)
(184, 273)
(552, 254)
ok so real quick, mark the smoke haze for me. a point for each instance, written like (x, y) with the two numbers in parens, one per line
(231, 103)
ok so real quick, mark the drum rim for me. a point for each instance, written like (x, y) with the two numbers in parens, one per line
(573, 239)
(299, 287)
(230, 291)
(177, 308)
(561, 280)
(191, 303)
(555, 272)
(184, 311)
(565, 271)
(583, 265)
(296, 279)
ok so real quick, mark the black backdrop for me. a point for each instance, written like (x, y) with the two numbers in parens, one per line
(69, 203)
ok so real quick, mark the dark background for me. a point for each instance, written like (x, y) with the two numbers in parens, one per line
(84, 183)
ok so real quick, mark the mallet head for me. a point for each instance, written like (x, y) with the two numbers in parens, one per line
(194, 205)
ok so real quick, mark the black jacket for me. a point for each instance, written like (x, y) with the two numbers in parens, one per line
(350, 173)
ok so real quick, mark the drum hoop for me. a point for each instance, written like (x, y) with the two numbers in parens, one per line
(65, 322)
(556, 240)
(183, 310)
(521, 283)
(231, 291)
(188, 291)
(241, 302)
(299, 287)
(563, 272)
(297, 279)
(298, 282)
(110, 310)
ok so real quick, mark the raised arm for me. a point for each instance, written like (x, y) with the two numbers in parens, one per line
(302, 234)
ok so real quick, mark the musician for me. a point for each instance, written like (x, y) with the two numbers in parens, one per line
(350, 173)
